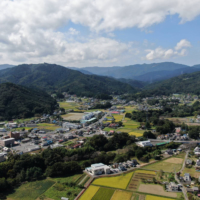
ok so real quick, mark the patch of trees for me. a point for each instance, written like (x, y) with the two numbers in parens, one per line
(102, 106)
(104, 97)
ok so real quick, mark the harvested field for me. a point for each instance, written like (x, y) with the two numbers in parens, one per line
(114, 182)
(174, 160)
(155, 189)
(73, 116)
(89, 193)
(119, 195)
(150, 197)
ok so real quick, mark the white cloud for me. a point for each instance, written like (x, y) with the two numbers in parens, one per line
(160, 53)
(182, 43)
(30, 28)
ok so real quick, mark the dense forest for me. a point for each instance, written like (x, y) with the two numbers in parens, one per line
(21, 102)
(55, 78)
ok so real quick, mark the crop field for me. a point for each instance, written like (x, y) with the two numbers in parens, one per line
(89, 193)
(118, 117)
(150, 197)
(120, 182)
(103, 193)
(31, 191)
(174, 160)
(69, 105)
(73, 116)
(145, 172)
(136, 134)
(155, 189)
(119, 195)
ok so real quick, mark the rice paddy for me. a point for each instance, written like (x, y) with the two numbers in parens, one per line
(89, 193)
(119, 195)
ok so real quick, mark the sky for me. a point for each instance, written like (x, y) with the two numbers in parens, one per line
(82, 33)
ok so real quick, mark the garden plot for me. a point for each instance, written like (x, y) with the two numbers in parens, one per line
(138, 176)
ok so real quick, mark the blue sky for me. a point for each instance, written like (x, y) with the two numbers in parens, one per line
(82, 33)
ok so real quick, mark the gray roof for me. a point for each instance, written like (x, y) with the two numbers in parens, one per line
(187, 174)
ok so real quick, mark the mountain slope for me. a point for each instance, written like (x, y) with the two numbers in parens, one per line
(5, 66)
(133, 71)
(186, 83)
(51, 77)
(21, 102)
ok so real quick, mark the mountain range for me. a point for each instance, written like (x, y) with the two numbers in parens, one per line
(142, 72)
(53, 78)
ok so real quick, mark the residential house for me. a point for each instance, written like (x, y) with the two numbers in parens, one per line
(187, 177)
(169, 152)
(197, 150)
(198, 163)
(188, 162)
(195, 189)
(173, 186)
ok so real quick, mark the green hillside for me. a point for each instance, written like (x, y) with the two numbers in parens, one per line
(20, 102)
(51, 78)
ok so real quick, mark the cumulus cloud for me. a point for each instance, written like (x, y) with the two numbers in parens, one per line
(160, 53)
(30, 28)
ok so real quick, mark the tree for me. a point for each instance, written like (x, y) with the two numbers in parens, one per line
(148, 125)
(149, 134)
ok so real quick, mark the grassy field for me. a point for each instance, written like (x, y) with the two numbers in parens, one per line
(136, 134)
(69, 105)
(150, 197)
(120, 182)
(31, 191)
(167, 165)
(119, 195)
(48, 126)
(73, 116)
(89, 193)
(103, 193)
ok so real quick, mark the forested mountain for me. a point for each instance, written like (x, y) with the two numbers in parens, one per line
(51, 78)
(21, 102)
(142, 72)
(186, 83)
(133, 83)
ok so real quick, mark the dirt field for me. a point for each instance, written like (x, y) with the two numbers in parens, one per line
(155, 189)
(174, 160)
(73, 116)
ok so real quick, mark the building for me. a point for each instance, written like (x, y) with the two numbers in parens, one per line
(2, 130)
(187, 177)
(7, 142)
(144, 144)
(198, 163)
(98, 169)
(173, 186)
(2, 157)
(15, 135)
(11, 125)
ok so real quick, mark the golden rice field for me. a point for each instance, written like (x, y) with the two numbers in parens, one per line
(89, 193)
(119, 195)
(136, 134)
(150, 197)
(118, 117)
(120, 182)
(146, 172)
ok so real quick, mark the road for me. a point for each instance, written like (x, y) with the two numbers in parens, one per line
(184, 190)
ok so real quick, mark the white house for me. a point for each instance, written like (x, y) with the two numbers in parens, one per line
(98, 169)
(173, 186)
(198, 163)
(187, 177)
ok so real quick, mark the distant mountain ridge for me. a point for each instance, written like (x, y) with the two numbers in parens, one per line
(142, 72)
(5, 66)
(52, 77)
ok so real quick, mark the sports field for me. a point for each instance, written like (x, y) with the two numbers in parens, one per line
(120, 182)
(73, 116)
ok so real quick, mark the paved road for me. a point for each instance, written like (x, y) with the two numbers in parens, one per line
(184, 190)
